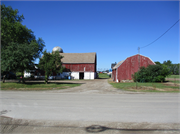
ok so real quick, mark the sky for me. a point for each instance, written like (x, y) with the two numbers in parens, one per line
(112, 29)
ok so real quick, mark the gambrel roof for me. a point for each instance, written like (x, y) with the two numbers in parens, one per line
(119, 63)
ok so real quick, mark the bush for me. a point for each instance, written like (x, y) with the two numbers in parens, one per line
(153, 73)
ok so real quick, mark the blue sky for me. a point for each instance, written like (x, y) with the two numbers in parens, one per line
(114, 30)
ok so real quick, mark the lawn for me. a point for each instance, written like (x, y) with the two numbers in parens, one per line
(147, 87)
(37, 86)
(176, 81)
(103, 75)
(173, 76)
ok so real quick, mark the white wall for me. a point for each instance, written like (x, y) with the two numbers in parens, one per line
(75, 75)
(89, 75)
(27, 74)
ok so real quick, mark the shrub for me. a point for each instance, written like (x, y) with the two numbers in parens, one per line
(153, 73)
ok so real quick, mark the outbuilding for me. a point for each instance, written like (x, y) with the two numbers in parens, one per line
(124, 69)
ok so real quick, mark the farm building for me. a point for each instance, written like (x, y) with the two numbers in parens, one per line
(77, 65)
(124, 69)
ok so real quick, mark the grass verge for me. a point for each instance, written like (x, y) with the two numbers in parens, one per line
(37, 86)
(147, 87)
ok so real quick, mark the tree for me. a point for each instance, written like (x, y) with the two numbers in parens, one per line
(11, 28)
(173, 68)
(20, 57)
(19, 45)
(50, 62)
(157, 63)
(167, 63)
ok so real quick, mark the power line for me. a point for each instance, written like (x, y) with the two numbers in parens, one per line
(162, 34)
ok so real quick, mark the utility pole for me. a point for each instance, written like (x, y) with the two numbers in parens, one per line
(138, 63)
(138, 58)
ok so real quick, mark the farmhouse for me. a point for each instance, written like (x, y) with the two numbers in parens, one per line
(77, 66)
(124, 69)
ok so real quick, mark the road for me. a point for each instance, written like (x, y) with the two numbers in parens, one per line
(78, 111)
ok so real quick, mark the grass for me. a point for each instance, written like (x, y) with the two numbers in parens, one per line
(102, 75)
(152, 87)
(173, 76)
(176, 81)
(37, 86)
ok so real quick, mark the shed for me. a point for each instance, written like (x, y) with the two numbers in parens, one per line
(124, 69)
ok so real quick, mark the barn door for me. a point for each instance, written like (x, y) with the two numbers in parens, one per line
(81, 75)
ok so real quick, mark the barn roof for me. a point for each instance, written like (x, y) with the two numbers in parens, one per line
(118, 64)
(78, 57)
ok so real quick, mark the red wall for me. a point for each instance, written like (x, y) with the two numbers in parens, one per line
(114, 75)
(73, 67)
(131, 65)
(80, 67)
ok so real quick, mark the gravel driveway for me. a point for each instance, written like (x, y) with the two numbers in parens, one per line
(96, 86)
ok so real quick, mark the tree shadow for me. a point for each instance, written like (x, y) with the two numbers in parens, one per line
(98, 128)
(102, 78)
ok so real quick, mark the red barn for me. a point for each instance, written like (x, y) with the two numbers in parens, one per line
(124, 69)
(79, 65)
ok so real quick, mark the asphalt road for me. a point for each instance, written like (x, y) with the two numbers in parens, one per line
(71, 112)
(91, 107)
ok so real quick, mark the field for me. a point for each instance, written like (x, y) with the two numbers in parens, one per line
(103, 75)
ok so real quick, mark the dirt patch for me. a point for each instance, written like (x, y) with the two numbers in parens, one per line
(172, 84)
(145, 88)
(173, 79)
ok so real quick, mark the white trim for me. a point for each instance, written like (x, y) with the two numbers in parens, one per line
(116, 74)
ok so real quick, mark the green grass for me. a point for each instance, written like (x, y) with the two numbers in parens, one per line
(176, 81)
(127, 86)
(37, 85)
(102, 75)
(173, 76)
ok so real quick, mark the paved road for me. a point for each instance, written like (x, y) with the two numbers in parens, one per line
(77, 112)
(91, 107)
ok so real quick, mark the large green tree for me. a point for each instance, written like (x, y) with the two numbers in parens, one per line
(50, 62)
(12, 29)
(19, 47)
